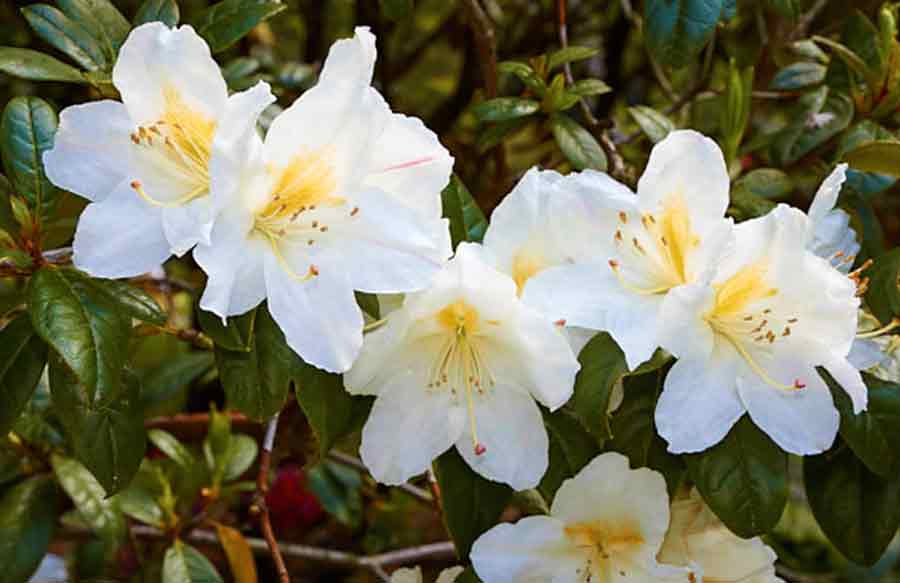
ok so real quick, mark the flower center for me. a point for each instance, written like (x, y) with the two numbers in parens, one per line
(743, 316)
(178, 145)
(601, 542)
(460, 364)
(653, 250)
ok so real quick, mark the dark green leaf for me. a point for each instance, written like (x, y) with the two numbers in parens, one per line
(82, 326)
(577, 144)
(339, 490)
(526, 75)
(881, 156)
(101, 513)
(505, 108)
(820, 116)
(139, 502)
(225, 23)
(256, 382)
(497, 132)
(653, 123)
(27, 522)
(22, 358)
(677, 30)
(165, 11)
(331, 411)
(743, 479)
(602, 365)
(131, 300)
(396, 9)
(185, 564)
(797, 76)
(113, 25)
(236, 335)
(36, 66)
(467, 221)
(165, 381)
(571, 448)
(767, 183)
(883, 296)
(27, 131)
(857, 510)
(569, 55)
(66, 35)
(368, 303)
(471, 503)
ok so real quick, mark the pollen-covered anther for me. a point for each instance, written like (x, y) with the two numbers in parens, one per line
(480, 449)
(561, 322)
(614, 264)
(623, 217)
(798, 384)
(354, 211)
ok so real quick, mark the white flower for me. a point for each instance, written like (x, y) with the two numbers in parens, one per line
(698, 540)
(750, 341)
(147, 163)
(407, 575)
(830, 235)
(462, 363)
(343, 195)
(606, 524)
(671, 234)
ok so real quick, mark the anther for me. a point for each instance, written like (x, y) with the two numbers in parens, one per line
(355, 211)
(480, 449)
(315, 224)
(623, 217)
(787, 331)
(560, 322)
(637, 244)
(798, 384)
(614, 264)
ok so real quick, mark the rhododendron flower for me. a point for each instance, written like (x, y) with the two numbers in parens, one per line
(462, 363)
(606, 524)
(343, 195)
(149, 163)
(414, 575)
(671, 234)
(699, 541)
(750, 341)
(830, 235)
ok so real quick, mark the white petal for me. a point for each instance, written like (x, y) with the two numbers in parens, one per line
(233, 263)
(834, 240)
(319, 317)
(535, 549)
(683, 330)
(865, 354)
(633, 322)
(90, 150)
(410, 163)
(384, 351)
(689, 164)
(850, 380)
(574, 293)
(186, 225)
(827, 195)
(698, 406)
(352, 60)
(408, 428)
(120, 236)
(510, 427)
(802, 422)
(154, 59)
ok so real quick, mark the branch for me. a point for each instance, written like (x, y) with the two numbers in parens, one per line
(804, 21)
(259, 502)
(352, 462)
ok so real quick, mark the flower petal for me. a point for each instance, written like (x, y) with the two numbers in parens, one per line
(851, 381)
(408, 428)
(120, 236)
(90, 150)
(827, 195)
(155, 59)
(535, 549)
(319, 317)
(510, 428)
(682, 330)
(698, 406)
(186, 225)
(351, 61)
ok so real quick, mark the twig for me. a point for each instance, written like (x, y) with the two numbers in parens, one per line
(194, 337)
(350, 461)
(435, 492)
(804, 21)
(259, 502)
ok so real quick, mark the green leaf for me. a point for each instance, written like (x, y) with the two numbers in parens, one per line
(256, 382)
(185, 564)
(677, 30)
(471, 503)
(165, 381)
(368, 303)
(66, 35)
(140, 503)
(883, 296)
(225, 23)
(239, 456)
(653, 123)
(818, 116)
(571, 448)
(767, 183)
(557, 97)
(577, 144)
(169, 445)
(497, 132)
(787, 8)
(27, 522)
(236, 335)
(602, 365)
(396, 9)
(797, 76)
(22, 358)
(112, 25)
(27, 131)
(526, 75)
(37, 66)
(100, 512)
(873, 434)
(131, 300)
(743, 479)
(82, 326)
(589, 87)
(505, 108)
(569, 55)
(331, 411)
(881, 156)
(339, 490)
(165, 11)
(467, 221)
(858, 510)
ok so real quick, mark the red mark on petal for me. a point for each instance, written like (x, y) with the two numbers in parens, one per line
(410, 164)
(798, 384)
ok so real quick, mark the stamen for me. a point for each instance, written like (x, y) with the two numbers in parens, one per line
(139, 189)
(754, 366)
(623, 216)
(894, 323)
(638, 290)
(560, 322)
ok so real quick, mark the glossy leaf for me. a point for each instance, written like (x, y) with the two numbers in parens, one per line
(236, 334)
(858, 510)
(505, 108)
(589, 87)
(165, 11)
(226, 22)
(883, 296)
(131, 300)
(569, 55)
(37, 66)
(169, 445)
(677, 30)
(165, 381)
(240, 556)
(577, 144)
(67, 35)
(331, 411)
(101, 513)
(113, 25)
(22, 358)
(27, 523)
(526, 74)
(185, 564)
(653, 123)
(471, 504)
(798, 76)
(467, 221)
(571, 448)
(602, 365)
(743, 479)
(26, 132)
(882, 156)
(239, 456)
